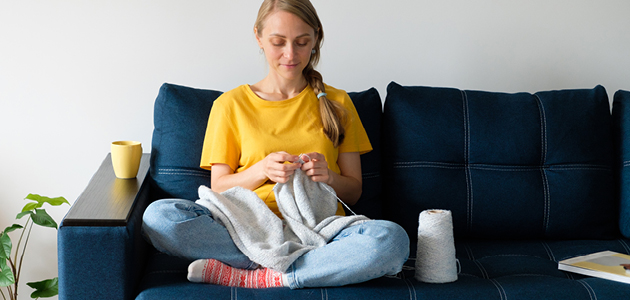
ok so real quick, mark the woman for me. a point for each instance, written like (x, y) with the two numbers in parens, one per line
(254, 133)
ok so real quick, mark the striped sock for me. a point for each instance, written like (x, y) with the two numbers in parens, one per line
(216, 272)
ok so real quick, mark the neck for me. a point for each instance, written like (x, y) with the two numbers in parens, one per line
(281, 88)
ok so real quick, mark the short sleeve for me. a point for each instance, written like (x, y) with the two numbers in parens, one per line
(221, 143)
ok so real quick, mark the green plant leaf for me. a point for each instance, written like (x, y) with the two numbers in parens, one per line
(6, 275)
(24, 213)
(5, 246)
(32, 205)
(43, 199)
(42, 218)
(44, 289)
(13, 228)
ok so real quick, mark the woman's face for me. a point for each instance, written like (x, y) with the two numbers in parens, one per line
(287, 42)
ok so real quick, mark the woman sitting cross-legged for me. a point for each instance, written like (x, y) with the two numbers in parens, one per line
(255, 137)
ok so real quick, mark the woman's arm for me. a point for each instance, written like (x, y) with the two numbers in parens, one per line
(277, 167)
(348, 184)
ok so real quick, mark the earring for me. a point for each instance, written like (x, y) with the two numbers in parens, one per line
(261, 51)
(313, 51)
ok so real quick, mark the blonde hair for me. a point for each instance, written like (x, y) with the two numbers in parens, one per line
(333, 114)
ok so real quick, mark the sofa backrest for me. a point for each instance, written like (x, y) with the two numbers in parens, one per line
(180, 121)
(621, 121)
(180, 118)
(508, 166)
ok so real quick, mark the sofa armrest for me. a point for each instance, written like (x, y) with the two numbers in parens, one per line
(100, 247)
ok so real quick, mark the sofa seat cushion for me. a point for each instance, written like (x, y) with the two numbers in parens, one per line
(508, 166)
(489, 270)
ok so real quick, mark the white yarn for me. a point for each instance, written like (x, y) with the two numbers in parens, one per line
(435, 258)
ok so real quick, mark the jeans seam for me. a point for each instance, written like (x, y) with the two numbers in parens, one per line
(291, 278)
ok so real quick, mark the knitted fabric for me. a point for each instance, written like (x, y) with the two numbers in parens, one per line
(308, 209)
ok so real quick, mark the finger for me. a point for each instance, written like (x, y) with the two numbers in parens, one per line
(284, 157)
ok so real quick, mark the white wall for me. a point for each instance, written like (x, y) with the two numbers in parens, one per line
(76, 75)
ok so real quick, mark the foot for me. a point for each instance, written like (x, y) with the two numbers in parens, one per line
(216, 272)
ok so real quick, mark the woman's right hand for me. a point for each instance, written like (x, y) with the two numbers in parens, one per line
(279, 166)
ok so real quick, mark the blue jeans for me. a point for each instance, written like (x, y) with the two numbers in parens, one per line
(357, 254)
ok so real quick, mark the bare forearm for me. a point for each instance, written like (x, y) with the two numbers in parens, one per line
(348, 189)
(249, 179)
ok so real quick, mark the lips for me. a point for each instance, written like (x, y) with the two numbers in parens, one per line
(290, 66)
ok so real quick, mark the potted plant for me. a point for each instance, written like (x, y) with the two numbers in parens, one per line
(11, 266)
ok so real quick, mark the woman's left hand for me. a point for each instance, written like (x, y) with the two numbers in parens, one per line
(316, 167)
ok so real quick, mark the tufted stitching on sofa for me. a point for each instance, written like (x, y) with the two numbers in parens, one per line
(324, 292)
(469, 252)
(412, 289)
(543, 130)
(543, 160)
(549, 251)
(484, 273)
(509, 255)
(589, 289)
(502, 293)
(370, 175)
(181, 171)
(507, 168)
(469, 189)
(625, 245)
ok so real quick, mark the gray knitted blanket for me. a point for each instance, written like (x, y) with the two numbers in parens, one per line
(308, 209)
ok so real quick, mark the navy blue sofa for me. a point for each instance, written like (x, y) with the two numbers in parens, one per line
(531, 179)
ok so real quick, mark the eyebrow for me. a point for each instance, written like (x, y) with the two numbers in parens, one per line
(282, 36)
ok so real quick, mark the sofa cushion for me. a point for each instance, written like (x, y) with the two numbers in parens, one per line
(180, 120)
(370, 108)
(508, 166)
(621, 117)
(526, 269)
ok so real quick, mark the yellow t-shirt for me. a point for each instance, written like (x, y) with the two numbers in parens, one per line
(243, 129)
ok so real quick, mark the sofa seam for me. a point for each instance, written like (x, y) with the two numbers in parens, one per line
(543, 130)
(497, 167)
(500, 288)
(624, 245)
(471, 256)
(484, 273)
(549, 251)
(469, 189)
(589, 289)
(411, 289)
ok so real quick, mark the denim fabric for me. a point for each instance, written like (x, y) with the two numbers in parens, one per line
(358, 253)
(185, 229)
(507, 165)
(621, 116)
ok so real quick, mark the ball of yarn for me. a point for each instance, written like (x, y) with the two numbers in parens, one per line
(435, 258)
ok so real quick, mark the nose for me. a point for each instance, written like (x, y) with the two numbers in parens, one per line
(289, 51)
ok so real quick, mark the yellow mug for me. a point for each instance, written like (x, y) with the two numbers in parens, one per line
(126, 158)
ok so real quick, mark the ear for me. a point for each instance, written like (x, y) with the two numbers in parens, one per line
(258, 37)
